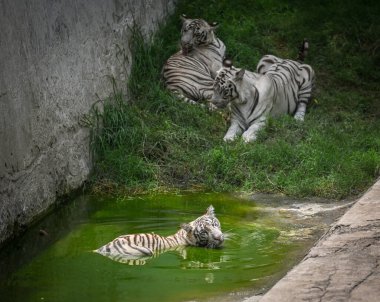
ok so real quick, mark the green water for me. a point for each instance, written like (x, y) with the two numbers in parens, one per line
(61, 266)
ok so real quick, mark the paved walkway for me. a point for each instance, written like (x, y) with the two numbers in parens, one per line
(345, 263)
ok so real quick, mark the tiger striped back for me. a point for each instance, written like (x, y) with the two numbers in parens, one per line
(266, 62)
(204, 231)
(189, 73)
(294, 83)
(188, 78)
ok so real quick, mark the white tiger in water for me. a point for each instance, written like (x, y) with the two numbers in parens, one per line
(189, 73)
(205, 231)
(280, 87)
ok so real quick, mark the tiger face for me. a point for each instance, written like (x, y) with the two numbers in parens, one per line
(205, 231)
(224, 89)
(195, 33)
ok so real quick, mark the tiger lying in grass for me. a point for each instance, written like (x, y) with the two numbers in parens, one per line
(280, 87)
(205, 231)
(189, 73)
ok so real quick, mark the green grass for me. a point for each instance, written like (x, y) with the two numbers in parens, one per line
(155, 142)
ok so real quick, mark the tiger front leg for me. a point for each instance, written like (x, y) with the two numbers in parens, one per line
(233, 131)
(250, 134)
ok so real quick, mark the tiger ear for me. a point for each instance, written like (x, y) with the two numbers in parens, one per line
(187, 227)
(210, 211)
(227, 63)
(214, 25)
(183, 17)
(239, 75)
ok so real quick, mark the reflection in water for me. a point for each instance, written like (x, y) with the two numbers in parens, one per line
(187, 259)
(142, 260)
(209, 278)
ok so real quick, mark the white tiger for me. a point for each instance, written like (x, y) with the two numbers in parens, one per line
(280, 87)
(205, 231)
(189, 73)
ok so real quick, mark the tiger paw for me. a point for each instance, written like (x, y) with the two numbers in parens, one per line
(299, 117)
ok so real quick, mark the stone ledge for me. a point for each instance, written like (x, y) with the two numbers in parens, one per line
(344, 264)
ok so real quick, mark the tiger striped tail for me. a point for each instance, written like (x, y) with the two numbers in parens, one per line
(303, 50)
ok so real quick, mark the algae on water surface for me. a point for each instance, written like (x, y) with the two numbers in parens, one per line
(262, 243)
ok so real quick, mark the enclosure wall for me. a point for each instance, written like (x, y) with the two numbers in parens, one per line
(56, 61)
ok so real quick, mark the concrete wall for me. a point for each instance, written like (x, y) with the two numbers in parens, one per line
(55, 56)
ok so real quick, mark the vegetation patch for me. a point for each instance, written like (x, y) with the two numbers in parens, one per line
(152, 141)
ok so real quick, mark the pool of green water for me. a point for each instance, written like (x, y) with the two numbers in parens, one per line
(53, 260)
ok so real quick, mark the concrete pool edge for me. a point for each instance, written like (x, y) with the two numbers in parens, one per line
(343, 265)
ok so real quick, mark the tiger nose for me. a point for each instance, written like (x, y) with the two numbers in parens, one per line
(219, 237)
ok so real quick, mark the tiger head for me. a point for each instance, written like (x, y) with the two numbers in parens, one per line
(204, 231)
(195, 33)
(224, 89)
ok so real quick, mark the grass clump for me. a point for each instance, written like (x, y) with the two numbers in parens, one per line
(153, 141)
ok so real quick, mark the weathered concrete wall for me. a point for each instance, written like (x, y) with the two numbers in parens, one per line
(55, 56)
